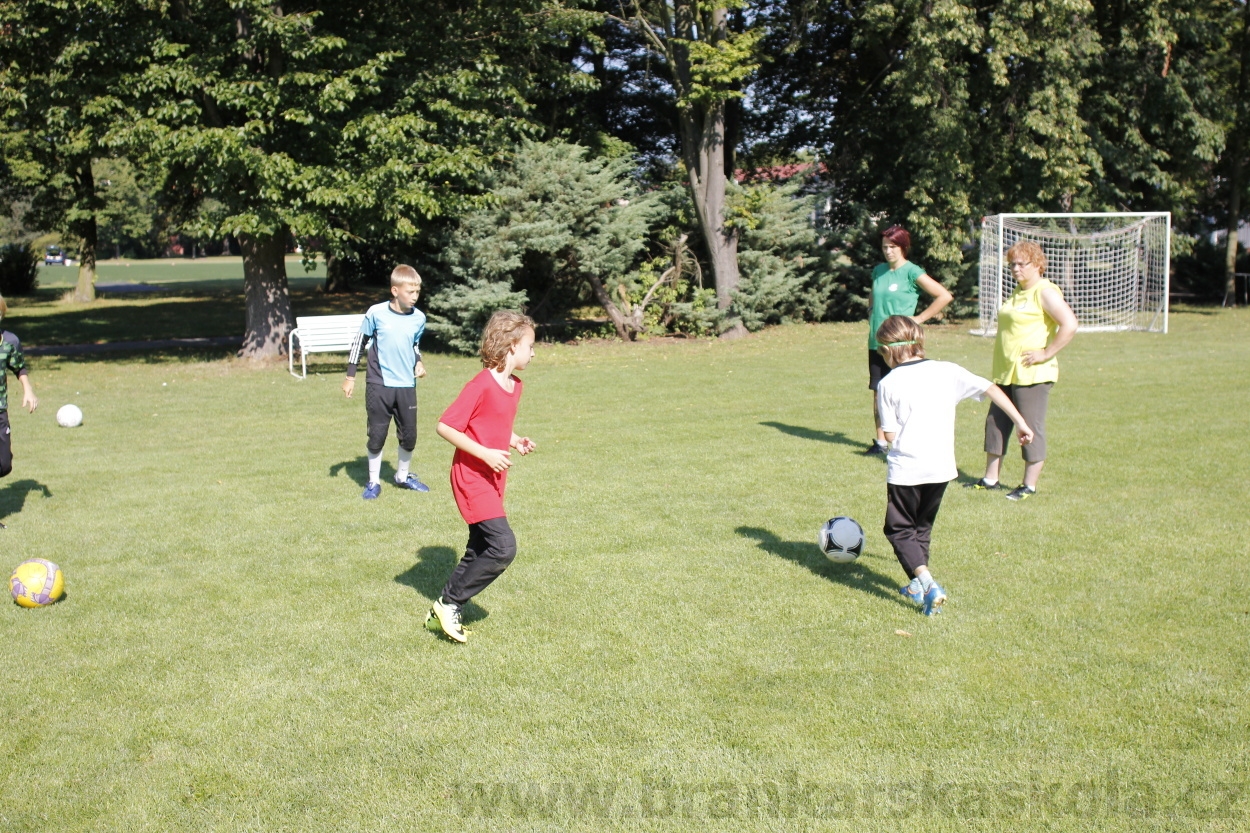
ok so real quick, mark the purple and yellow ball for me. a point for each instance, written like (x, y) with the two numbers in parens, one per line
(36, 582)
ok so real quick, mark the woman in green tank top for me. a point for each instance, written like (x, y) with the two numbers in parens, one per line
(896, 288)
(1034, 324)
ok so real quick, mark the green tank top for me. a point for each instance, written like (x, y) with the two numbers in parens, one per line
(894, 292)
(1023, 325)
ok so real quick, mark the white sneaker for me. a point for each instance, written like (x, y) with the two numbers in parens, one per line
(448, 615)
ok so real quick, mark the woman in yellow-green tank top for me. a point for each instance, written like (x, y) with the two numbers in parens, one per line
(1034, 324)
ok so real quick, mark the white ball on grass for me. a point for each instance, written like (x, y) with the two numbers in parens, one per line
(69, 416)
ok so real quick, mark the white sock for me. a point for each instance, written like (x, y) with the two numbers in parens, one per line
(405, 460)
(989, 482)
(375, 467)
(925, 579)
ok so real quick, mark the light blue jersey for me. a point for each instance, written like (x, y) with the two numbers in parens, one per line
(395, 347)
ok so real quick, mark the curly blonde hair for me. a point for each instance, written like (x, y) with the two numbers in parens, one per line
(901, 340)
(1032, 251)
(503, 331)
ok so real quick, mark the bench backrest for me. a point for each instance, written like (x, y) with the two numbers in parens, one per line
(327, 333)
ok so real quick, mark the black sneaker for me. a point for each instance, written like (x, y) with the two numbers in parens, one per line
(1021, 493)
(877, 449)
(982, 485)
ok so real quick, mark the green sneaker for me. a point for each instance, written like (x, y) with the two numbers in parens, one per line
(1021, 493)
(982, 485)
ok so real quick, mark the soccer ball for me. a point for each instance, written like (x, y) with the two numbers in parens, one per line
(70, 416)
(36, 583)
(841, 540)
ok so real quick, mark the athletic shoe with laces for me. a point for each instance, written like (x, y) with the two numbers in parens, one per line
(412, 483)
(982, 485)
(1021, 492)
(372, 491)
(877, 450)
(913, 592)
(448, 615)
(934, 598)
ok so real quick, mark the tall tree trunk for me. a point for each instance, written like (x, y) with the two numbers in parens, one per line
(268, 297)
(703, 135)
(336, 278)
(1237, 161)
(87, 232)
(706, 153)
(84, 290)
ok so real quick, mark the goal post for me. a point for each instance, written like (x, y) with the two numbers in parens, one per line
(1112, 267)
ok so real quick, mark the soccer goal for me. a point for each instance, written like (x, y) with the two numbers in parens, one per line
(1112, 268)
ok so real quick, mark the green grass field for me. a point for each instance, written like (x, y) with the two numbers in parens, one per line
(241, 646)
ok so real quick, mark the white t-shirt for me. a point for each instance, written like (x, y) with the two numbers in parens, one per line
(917, 404)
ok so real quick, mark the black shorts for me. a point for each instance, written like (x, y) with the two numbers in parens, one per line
(877, 368)
(383, 404)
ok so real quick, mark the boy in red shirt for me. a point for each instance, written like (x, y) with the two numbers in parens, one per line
(479, 425)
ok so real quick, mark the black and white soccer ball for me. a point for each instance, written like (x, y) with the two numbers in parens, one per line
(841, 540)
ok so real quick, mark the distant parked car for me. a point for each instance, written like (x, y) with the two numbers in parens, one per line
(54, 256)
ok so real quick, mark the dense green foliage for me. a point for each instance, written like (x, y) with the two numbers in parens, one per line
(935, 114)
(375, 134)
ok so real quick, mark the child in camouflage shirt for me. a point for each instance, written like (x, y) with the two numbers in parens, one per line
(11, 358)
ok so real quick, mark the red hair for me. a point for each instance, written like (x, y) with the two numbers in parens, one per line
(899, 237)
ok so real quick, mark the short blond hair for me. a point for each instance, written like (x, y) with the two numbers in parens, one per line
(403, 273)
(901, 339)
(1032, 251)
(503, 331)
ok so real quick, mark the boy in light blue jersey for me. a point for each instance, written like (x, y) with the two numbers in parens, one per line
(393, 330)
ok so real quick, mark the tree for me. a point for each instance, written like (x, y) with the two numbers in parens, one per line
(127, 214)
(706, 62)
(67, 71)
(936, 112)
(360, 126)
(1235, 153)
(560, 221)
(787, 275)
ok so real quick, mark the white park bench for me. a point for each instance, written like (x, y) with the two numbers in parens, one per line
(321, 334)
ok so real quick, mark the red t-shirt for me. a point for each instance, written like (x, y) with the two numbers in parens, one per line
(484, 412)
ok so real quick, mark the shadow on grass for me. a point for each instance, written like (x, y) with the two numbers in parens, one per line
(812, 434)
(45, 320)
(358, 470)
(857, 575)
(429, 575)
(13, 495)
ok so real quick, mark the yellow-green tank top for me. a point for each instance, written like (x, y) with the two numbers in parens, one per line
(1022, 326)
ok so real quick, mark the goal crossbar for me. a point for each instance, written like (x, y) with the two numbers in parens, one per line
(1111, 266)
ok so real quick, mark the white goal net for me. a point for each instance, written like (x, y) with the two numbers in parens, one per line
(1112, 268)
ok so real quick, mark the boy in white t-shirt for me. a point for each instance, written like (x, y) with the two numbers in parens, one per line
(917, 400)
